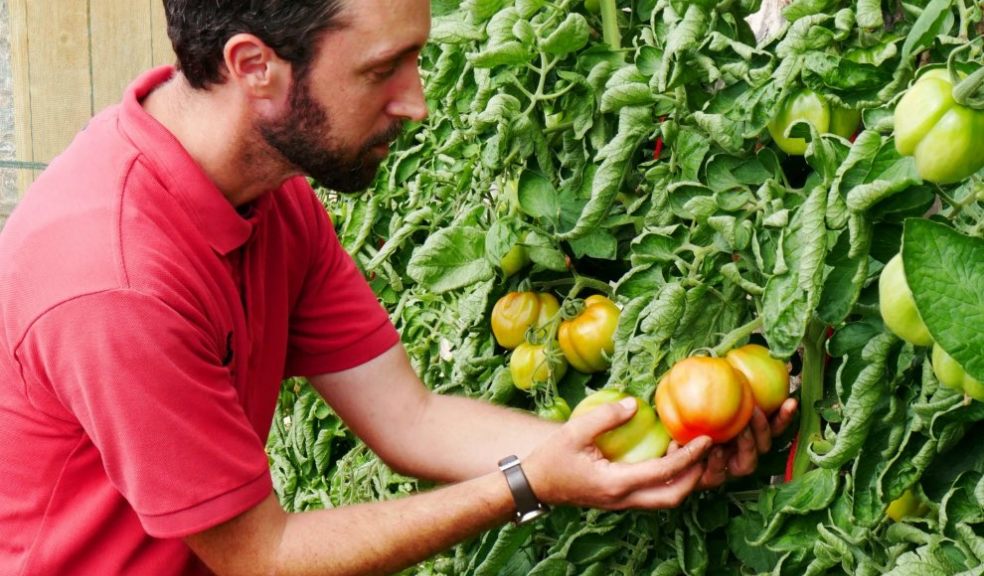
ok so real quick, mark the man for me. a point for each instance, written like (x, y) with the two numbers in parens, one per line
(172, 266)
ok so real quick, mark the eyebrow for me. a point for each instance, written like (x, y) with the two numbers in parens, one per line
(390, 56)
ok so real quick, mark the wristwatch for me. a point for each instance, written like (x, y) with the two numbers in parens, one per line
(528, 507)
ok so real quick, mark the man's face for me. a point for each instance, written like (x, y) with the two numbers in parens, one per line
(360, 89)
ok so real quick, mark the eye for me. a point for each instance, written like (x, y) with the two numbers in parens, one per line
(383, 72)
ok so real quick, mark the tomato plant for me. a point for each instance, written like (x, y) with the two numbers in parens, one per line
(517, 312)
(530, 365)
(704, 396)
(587, 339)
(944, 136)
(807, 105)
(767, 376)
(543, 119)
(898, 309)
(643, 437)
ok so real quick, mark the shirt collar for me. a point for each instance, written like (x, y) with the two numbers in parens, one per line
(217, 219)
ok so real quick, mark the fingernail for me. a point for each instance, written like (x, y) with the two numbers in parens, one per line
(628, 403)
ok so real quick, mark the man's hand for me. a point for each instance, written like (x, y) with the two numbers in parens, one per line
(568, 468)
(740, 456)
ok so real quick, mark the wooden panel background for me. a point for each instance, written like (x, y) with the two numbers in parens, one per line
(69, 60)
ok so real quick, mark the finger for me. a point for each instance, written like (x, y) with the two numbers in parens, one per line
(784, 417)
(602, 419)
(745, 458)
(673, 447)
(761, 431)
(668, 495)
(662, 470)
(715, 470)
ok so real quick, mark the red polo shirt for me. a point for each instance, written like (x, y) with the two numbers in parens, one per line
(146, 326)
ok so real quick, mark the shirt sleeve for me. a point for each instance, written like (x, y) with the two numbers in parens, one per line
(157, 404)
(337, 323)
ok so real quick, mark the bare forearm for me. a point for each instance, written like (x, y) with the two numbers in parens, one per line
(458, 438)
(382, 538)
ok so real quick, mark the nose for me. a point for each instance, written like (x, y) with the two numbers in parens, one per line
(409, 101)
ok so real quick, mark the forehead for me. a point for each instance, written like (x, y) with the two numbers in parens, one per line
(377, 26)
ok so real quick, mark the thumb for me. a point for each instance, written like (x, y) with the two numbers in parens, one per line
(599, 420)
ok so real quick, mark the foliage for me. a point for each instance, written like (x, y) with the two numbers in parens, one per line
(628, 151)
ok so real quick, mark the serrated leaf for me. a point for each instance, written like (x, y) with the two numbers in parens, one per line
(451, 258)
(945, 271)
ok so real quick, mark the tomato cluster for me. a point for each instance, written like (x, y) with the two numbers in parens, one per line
(901, 317)
(715, 397)
(943, 136)
(531, 325)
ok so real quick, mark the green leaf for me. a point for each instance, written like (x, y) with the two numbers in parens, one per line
(934, 21)
(634, 124)
(945, 271)
(452, 30)
(451, 258)
(843, 283)
(572, 35)
(509, 53)
(790, 297)
(544, 251)
(538, 197)
(869, 14)
(598, 244)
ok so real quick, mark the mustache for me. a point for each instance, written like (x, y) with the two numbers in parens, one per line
(390, 134)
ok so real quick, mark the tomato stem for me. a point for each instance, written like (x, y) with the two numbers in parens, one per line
(731, 339)
(609, 24)
(582, 282)
(811, 392)
(964, 92)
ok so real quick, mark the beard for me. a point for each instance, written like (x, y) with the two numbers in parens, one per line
(303, 137)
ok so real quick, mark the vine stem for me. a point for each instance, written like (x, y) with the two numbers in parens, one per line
(609, 24)
(811, 392)
(735, 336)
(582, 282)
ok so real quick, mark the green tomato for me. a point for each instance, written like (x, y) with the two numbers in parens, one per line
(517, 258)
(558, 411)
(944, 137)
(809, 106)
(906, 505)
(593, 6)
(643, 437)
(952, 375)
(529, 366)
(898, 309)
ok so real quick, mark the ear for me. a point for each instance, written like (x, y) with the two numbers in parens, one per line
(256, 68)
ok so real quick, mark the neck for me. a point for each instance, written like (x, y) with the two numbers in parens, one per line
(215, 128)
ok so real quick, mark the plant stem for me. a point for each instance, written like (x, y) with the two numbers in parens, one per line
(609, 24)
(737, 335)
(811, 392)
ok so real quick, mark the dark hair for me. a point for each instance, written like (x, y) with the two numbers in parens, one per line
(199, 30)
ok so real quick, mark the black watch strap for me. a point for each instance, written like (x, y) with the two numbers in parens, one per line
(528, 507)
